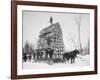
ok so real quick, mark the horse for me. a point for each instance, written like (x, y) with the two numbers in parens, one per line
(70, 55)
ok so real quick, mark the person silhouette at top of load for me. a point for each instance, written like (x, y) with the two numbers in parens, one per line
(51, 20)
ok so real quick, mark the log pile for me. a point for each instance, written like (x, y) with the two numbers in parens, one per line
(52, 37)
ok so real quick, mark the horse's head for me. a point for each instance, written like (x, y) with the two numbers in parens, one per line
(76, 51)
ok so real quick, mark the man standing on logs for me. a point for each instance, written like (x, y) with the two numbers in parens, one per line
(51, 20)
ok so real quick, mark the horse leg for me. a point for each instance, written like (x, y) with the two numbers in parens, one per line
(68, 60)
(46, 56)
(74, 60)
(71, 60)
(64, 59)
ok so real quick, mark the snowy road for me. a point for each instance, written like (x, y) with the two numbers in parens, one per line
(79, 62)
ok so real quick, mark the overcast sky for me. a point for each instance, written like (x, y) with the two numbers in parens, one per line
(34, 22)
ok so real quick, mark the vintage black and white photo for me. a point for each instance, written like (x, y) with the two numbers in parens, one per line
(55, 39)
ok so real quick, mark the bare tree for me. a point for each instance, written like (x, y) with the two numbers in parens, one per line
(88, 45)
(27, 48)
(32, 49)
(72, 39)
(78, 22)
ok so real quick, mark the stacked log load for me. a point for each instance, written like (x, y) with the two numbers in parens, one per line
(52, 37)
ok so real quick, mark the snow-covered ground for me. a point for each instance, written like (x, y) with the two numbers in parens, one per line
(80, 61)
